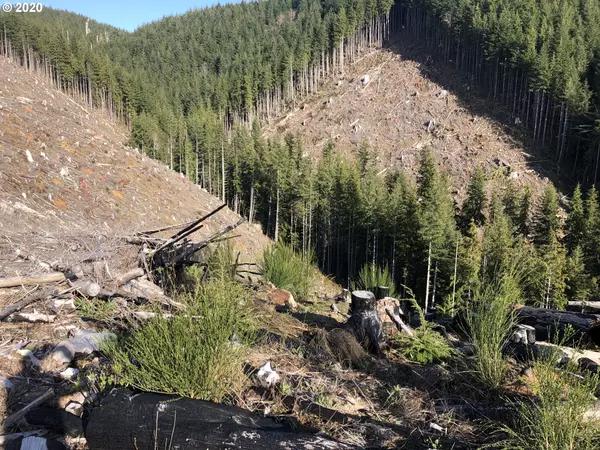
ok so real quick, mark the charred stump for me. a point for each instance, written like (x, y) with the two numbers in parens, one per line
(364, 321)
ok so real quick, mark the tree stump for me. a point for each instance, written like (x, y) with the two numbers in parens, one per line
(382, 292)
(364, 321)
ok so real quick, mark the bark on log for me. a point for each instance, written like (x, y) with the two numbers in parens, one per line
(162, 420)
(52, 277)
(130, 275)
(549, 322)
(364, 320)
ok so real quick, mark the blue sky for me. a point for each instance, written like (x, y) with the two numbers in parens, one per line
(129, 14)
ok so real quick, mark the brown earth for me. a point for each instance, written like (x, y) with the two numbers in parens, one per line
(391, 112)
(84, 183)
(69, 188)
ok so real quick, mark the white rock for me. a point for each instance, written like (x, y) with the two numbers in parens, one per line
(29, 157)
(69, 374)
(75, 408)
(266, 376)
(84, 342)
(365, 79)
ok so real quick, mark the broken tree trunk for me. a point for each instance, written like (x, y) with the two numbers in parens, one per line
(364, 320)
(155, 421)
(549, 323)
(399, 322)
(52, 277)
(592, 307)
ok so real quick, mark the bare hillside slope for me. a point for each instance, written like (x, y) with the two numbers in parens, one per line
(66, 176)
(388, 101)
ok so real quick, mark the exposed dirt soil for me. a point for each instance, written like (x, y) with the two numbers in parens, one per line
(67, 179)
(401, 109)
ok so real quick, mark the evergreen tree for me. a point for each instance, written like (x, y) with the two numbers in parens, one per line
(575, 225)
(581, 286)
(591, 246)
(474, 206)
(546, 221)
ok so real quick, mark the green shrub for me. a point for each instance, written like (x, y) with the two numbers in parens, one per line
(288, 270)
(100, 310)
(371, 276)
(425, 347)
(554, 417)
(489, 320)
(191, 354)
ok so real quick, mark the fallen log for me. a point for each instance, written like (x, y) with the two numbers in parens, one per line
(550, 324)
(152, 420)
(52, 277)
(593, 307)
(130, 275)
(33, 317)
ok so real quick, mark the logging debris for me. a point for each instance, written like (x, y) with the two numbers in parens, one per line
(159, 262)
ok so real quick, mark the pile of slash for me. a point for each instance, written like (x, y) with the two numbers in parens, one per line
(134, 274)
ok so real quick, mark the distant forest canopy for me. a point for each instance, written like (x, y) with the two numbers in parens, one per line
(539, 58)
(194, 88)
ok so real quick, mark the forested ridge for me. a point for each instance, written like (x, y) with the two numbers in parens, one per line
(541, 59)
(194, 88)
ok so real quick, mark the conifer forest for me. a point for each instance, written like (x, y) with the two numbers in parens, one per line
(194, 90)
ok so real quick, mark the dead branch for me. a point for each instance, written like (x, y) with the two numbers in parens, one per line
(167, 228)
(13, 419)
(193, 227)
(87, 288)
(130, 275)
(26, 302)
(398, 322)
(52, 277)
(33, 318)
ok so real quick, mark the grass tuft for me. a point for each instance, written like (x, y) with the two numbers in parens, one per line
(193, 354)
(554, 418)
(489, 320)
(288, 270)
(371, 276)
